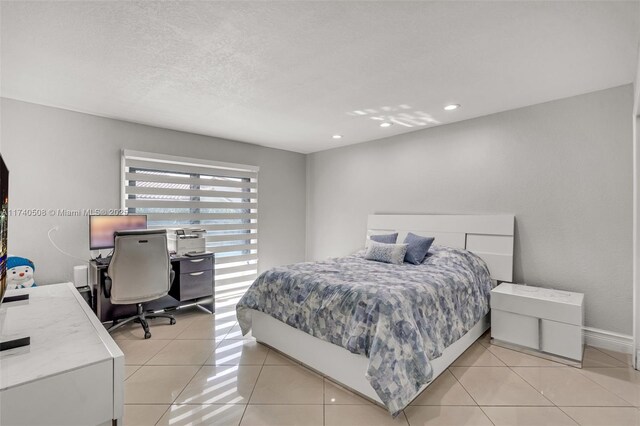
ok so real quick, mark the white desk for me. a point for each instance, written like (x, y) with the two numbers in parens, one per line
(73, 371)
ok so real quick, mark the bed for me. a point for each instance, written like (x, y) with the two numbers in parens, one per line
(386, 331)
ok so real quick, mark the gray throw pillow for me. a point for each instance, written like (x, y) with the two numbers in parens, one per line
(387, 253)
(385, 238)
(417, 248)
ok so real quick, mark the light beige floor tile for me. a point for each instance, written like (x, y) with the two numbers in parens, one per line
(129, 370)
(287, 385)
(227, 311)
(207, 328)
(229, 320)
(157, 384)
(365, 415)
(604, 416)
(276, 358)
(282, 415)
(160, 329)
(242, 352)
(528, 416)
(477, 356)
(184, 352)
(138, 352)
(229, 299)
(518, 359)
(189, 313)
(236, 333)
(566, 386)
(595, 358)
(622, 357)
(143, 415)
(497, 386)
(221, 385)
(446, 416)
(624, 382)
(336, 394)
(191, 415)
(485, 339)
(445, 390)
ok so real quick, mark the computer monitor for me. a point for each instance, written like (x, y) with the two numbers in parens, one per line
(102, 228)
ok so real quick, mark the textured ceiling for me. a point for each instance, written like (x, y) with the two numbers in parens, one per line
(291, 74)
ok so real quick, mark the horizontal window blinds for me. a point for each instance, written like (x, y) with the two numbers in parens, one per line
(221, 198)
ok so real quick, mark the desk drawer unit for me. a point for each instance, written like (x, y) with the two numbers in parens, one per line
(196, 284)
(194, 279)
(196, 265)
(542, 319)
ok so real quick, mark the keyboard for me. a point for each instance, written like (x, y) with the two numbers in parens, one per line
(103, 260)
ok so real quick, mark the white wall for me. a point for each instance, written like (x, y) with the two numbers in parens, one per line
(564, 168)
(636, 230)
(636, 213)
(63, 159)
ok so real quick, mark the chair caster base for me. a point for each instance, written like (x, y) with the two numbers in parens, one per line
(147, 335)
(173, 321)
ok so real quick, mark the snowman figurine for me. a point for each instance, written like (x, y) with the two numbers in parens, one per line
(20, 273)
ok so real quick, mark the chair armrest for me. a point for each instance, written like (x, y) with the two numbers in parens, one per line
(107, 286)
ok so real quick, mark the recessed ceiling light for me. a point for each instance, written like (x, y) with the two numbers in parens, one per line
(451, 107)
(337, 136)
(385, 124)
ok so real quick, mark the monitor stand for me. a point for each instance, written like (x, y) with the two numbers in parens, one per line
(18, 342)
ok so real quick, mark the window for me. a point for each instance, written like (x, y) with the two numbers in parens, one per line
(221, 198)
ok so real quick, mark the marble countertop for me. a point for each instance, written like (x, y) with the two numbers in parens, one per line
(64, 335)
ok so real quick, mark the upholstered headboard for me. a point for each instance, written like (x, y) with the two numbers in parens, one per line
(488, 236)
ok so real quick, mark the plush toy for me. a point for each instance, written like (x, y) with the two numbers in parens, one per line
(20, 273)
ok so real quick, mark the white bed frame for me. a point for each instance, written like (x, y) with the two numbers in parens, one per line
(488, 236)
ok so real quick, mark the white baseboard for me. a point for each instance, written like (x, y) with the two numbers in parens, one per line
(608, 340)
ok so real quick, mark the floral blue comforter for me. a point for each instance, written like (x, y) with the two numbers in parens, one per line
(398, 316)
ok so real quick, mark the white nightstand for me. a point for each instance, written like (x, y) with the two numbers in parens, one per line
(545, 320)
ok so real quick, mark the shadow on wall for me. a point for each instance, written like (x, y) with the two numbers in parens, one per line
(518, 266)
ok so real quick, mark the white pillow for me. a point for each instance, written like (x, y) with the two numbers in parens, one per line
(387, 253)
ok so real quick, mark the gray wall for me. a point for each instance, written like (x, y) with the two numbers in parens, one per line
(636, 212)
(62, 159)
(636, 254)
(564, 168)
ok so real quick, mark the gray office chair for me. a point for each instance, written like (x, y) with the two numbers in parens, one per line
(139, 271)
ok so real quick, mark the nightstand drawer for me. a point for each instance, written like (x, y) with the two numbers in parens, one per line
(193, 285)
(561, 339)
(513, 328)
(196, 264)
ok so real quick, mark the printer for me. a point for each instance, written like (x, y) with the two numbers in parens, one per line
(187, 241)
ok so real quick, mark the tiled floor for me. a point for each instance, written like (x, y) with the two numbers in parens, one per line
(203, 371)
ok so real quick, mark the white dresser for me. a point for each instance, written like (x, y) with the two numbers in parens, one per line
(73, 371)
(542, 319)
